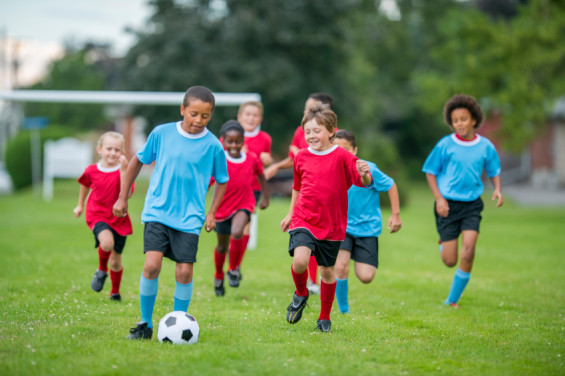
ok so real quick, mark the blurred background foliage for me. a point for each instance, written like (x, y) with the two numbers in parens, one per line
(389, 71)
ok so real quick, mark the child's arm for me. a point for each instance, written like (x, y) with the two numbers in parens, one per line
(266, 158)
(81, 197)
(120, 208)
(286, 220)
(217, 195)
(264, 191)
(275, 167)
(442, 207)
(364, 172)
(394, 222)
(497, 194)
(123, 169)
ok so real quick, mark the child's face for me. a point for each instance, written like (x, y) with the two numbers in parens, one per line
(110, 151)
(463, 123)
(233, 142)
(196, 116)
(345, 144)
(317, 136)
(250, 118)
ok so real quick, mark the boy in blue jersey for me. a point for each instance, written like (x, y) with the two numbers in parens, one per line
(453, 171)
(364, 225)
(186, 156)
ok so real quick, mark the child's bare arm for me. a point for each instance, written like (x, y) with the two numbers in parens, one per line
(217, 195)
(285, 223)
(123, 169)
(442, 207)
(81, 197)
(275, 167)
(394, 222)
(266, 158)
(497, 194)
(265, 196)
(120, 208)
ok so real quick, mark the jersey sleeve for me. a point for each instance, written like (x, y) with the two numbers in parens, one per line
(148, 153)
(383, 182)
(257, 165)
(220, 165)
(434, 162)
(85, 179)
(297, 175)
(268, 143)
(492, 162)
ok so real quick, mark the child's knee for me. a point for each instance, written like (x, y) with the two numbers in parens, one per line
(341, 270)
(221, 249)
(107, 245)
(237, 234)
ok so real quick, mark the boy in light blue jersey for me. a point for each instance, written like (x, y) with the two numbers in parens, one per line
(186, 156)
(453, 171)
(364, 225)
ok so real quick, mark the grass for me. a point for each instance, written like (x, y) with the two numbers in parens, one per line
(511, 320)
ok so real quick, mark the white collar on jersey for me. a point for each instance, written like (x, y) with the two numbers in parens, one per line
(236, 160)
(466, 143)
(253, 133)
(190, 135)
(107, 169)
(325, 152)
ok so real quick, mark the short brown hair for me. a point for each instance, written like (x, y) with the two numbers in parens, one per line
(463, 101)
(323, 115)
(257, 104)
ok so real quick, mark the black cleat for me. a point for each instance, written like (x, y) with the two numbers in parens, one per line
(219, 287)
(141, 331)
(324, 326)
(116, 297)
(233, 278)
(98, 280)
(294, 310)
(239, 275)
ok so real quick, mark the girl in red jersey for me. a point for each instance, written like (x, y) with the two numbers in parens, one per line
(102, 180)
(238, 203)
(317, 218)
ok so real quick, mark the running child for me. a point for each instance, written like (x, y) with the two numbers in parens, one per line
(102, 181)
(364, 225)
(317, 217)
(238, 203)
(453, 171)
(186, 156)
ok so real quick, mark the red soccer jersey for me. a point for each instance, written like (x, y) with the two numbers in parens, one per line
(239, 193)
(323, 179)
(258, 142)
(104, 184)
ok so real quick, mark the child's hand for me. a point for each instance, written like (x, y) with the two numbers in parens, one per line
(210, 222)
(442, 207)
(123, 163)
(497, 195)
(77, 211)
(120, 208)
(266, 158)
(285, 223)
(270, 171)
(362, 168)
(394, 223)
(264, 203)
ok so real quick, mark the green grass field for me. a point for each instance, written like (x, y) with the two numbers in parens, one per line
(511, 320)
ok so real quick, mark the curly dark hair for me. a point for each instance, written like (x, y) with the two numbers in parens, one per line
(463, 101)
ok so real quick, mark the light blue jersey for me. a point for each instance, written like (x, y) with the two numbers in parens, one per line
(458, 166)
(184, 163)
(364, 217)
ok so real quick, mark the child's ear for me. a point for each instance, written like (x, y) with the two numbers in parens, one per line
(182, 110)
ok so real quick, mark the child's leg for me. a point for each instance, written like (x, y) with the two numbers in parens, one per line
(106, 241)
(365, 272)
(299, 269)
(313, 269)
(116, 271)
(449, 252)
(220, 253)
(463, 273)
(237, 243)
(341, 274)
(327, 291)
(149, 285)
(183, 290)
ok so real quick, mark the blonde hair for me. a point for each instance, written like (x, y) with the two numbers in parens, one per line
(116, 135)
(323, 115)
(259, 105)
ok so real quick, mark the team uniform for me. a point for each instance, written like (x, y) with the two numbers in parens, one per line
(257, 142)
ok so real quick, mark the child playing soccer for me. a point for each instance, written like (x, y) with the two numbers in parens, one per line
(317, 217)
(102, 181)
(237, 205)
(186, 156)
(298, 143)
(453, 171)
(364, 225)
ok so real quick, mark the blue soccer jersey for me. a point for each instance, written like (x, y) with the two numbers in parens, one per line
(458, 166)
(364, 215)
(184, 163)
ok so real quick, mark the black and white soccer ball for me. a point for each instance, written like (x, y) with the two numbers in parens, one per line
(178, 327)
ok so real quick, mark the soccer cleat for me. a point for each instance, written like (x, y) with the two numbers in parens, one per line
(233, 278)
(294, 310)
(219, 287)
(98, 280)
(141, 331)
(116, 297)
(313, 288)
(324, 326)
(240, 276)
(454, 305)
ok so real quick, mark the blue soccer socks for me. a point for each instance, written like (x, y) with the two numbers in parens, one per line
(342, 295)
(459, 283)
(183, 294)
(147, 293)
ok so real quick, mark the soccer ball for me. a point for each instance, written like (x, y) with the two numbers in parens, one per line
(178, 327)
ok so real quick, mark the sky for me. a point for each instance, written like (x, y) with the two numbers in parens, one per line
(35, 31)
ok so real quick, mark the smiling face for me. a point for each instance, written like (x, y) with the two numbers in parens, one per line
(196, 115)
(233, 142)
(250, 117)
(110, 151)
(463, 123)
(317, 136)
